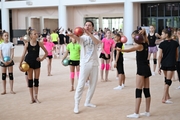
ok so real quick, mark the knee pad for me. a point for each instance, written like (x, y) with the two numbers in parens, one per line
(155, 61)
(30, 83)
(146, 92)
(36, 82)
(107, 66)
(77, 73)
(72, 75)
(26, 73)
(3, 76)
(165, 80)
(148, 62)
(138, 93)
(168, 82)
(11, 76)
(102, 66)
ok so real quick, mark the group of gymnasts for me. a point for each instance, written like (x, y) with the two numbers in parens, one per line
(84, 62)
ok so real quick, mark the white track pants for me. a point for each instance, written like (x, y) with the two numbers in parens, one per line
(87, 70)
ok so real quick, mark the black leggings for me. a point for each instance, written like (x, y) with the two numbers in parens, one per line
(178, 69)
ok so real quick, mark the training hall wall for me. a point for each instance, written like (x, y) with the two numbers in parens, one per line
(25, 17)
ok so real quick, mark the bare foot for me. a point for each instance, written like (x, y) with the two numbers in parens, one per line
(112, 69)
(102, 80)
(33, 101)
(167, 101)
(3, 93)
(12, 92)
(107, 80)
(37, 101)
(71, 90)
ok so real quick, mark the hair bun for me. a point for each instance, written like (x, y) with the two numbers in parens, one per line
(4, 31)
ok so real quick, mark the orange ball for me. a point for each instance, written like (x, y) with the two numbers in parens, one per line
(25, 67)
(78, 31)
(123, 39)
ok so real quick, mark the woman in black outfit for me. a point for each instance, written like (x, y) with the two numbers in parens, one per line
(142, 75)
(168, 55)
(67, 38)
(178, 62)
(61, 41)
(31, 55)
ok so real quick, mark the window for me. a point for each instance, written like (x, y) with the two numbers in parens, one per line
(154, 10)
(144, 22)
(175, 9)
(176, 22)
(113, 22)
(160, 10)
(168, 9)
(145, 11)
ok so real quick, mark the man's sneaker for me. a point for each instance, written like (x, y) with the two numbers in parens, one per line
(153, 74)
(87, 83)
(168, 102)
(118, 88)
(89, 105)
(76, 109)
(133, 115)
(178, 87)
(145, 114)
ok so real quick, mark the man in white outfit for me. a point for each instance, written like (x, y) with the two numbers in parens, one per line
(88, 64)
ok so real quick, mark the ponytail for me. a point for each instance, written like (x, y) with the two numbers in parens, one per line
(167, 31)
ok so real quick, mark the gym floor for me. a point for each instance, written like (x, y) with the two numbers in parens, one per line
(57, 102)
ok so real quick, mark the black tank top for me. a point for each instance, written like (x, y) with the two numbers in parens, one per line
(142, 56)
(67, 39)
(33, 52)
(61, 37)
(152, 40)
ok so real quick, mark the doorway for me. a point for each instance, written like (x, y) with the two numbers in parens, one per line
(160, 25)
(164, 23)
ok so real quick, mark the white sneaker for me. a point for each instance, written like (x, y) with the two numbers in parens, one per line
(178, 87)
(133, 115)
(145, 114)
(168, 102)
(153, 74)
(76, 109)
(123, 85)
(118, 88)
(87, 83)
(89, 105)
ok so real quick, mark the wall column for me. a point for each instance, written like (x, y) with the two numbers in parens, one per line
(5, 17)
(62, 21)
(41, 24)
(128, 20)
(100, 22)
(28, 22)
